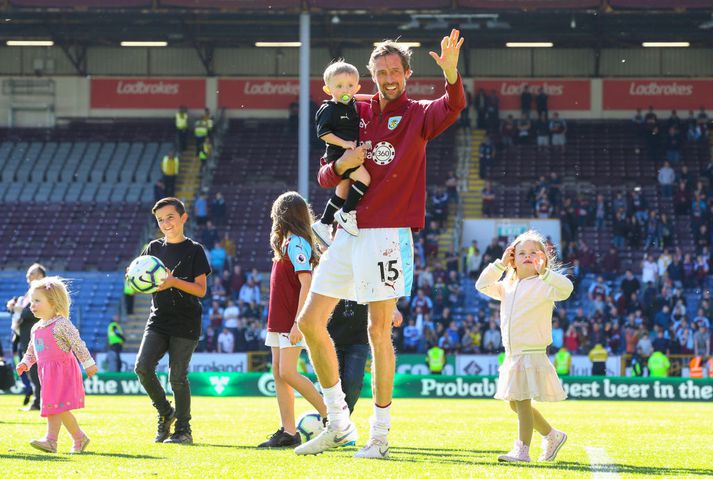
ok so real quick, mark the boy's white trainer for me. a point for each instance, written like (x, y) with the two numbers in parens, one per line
(551, 444)
(348, 221)
(328, 439)
(323, 232)
(374, 449)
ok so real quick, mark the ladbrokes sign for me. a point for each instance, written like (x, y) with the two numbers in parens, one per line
(567, 95)
(662, 94)
(145, 93)
(278, 93)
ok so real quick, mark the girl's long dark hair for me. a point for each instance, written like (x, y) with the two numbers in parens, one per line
(291, 214)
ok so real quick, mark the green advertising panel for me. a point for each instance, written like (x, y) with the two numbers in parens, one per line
(411, 386)
(420, 386)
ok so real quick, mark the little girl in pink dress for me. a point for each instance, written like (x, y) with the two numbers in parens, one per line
(55, 342)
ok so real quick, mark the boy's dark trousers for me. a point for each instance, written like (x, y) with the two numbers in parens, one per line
(180, 350)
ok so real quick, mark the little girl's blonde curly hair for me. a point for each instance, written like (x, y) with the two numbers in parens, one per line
(541, 244)
(55, 290)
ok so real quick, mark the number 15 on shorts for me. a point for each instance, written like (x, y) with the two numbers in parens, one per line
(388, 271)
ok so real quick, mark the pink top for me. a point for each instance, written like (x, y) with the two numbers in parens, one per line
(66, 338)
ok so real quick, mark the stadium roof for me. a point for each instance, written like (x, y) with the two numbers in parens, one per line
(489, 23)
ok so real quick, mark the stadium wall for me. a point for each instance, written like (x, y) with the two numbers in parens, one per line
(270, 97)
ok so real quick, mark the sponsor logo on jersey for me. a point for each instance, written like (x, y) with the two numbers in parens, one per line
(383, 153)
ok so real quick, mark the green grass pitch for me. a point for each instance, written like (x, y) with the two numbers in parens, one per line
(436, 438)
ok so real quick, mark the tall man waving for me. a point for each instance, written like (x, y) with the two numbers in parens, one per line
(376, 267)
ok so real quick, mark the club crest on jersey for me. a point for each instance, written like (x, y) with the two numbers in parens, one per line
(383, 153)
(394, 122)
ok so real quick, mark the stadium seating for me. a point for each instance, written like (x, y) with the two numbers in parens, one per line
(75, 197)
(95, 299)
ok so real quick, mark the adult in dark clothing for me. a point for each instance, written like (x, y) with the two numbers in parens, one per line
(23, 321)
(480, 102)
(526, 101)
(541, 102)
(348, 329)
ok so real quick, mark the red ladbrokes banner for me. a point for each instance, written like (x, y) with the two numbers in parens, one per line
(278, 93)
(668, 94)
(147, 93)
(564, 95)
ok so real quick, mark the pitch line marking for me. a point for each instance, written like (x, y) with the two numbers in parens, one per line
(602, 464)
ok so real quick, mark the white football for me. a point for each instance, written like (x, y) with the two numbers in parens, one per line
(309, 425)
(146, 273)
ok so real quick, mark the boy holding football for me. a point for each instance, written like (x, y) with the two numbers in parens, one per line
(174, 324)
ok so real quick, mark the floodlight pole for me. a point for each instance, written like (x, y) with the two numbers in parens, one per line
(303, 131)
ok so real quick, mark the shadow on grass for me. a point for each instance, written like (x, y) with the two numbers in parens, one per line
(34, 457)
(119, 455)
(442, 452)
(445, 456)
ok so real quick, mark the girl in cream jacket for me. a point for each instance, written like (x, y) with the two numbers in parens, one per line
(527, 294)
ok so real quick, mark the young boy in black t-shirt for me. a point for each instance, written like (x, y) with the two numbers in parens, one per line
(337, 123)
(174, 323)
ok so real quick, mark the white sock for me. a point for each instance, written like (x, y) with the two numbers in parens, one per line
(380, 422)
(337, 409)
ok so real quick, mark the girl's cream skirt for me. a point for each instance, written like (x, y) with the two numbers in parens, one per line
(529, 376)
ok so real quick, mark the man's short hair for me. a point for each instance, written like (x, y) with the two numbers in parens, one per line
(170, 201)
(390, 47)
(339, 67)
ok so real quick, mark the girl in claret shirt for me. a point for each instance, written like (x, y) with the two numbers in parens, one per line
(527, 294)
(294, 257)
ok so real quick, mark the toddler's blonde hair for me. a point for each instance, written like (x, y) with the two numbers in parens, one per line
(338, 67)
(55, 290)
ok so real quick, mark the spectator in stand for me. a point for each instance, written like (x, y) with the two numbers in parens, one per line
(452, 187)
(231, 316)
(526, 101)
(507, 131)
(492, 116)
(169, 168)
(649, 270)
(542, 131)
(486, 157)
(473, 260)
(682, 199)
(215, 315)
(653, 231)
(541, 101)
(249, 293)
(629, 284)
(237, 280)
(492, 340)
(210, 340)
(412, 337)
(694, 133)
(674, 121)
(571, 340)
(226, 341)
(480, 102)
(241, 344)
(702, 121)
(644, 347)
(488, 196)
(599, 287)
(611, 264)
(557, 336)
(667, 178)
(218, 258)
(652, 133)
(558, 130)
(159, 190)
(200, 208)
(702, 341)
(620, 228)
(634, 233)
(674, 144)
(210, 236)
(217, 209)
(523, 130)
(702, 268)
(601, 212)
(494, 250)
